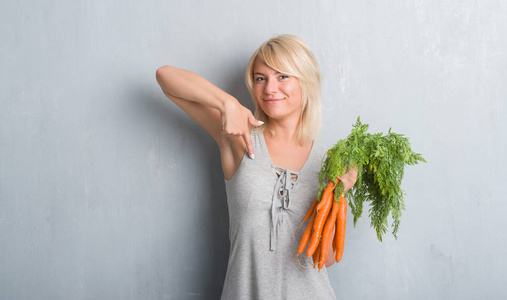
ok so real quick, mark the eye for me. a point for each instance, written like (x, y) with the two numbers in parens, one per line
(284, 76)
(259, 79)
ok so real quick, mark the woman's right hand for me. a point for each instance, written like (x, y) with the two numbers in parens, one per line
(237, 121)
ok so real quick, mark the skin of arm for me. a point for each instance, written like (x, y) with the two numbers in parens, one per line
(219, 113)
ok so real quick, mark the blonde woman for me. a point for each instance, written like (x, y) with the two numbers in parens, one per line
(270, 163)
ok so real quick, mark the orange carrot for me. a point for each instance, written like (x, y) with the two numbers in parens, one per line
(341, 222)
(327, 198)
(321, 259)
(316, 256)
(327, 233)
(321, 203)
(306, 236)
(310, 211)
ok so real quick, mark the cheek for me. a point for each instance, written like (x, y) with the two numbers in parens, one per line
(257, 94)
(257, 91)
(295, 91)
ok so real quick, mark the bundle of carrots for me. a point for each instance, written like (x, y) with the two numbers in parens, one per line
(380, 160)
(327, 215)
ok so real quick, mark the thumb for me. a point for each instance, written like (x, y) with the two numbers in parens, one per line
(252, 120)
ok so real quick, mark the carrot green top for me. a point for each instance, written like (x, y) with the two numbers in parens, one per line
(380, 160)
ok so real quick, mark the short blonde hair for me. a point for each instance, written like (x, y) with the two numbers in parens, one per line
(290, 55)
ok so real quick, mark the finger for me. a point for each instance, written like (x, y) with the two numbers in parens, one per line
(252, 120)
(249, 147)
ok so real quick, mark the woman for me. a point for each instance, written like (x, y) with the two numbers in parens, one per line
(270, 164)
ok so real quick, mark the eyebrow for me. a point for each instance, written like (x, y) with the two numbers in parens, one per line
(259, 73)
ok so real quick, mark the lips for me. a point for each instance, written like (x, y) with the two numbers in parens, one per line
(272, 100)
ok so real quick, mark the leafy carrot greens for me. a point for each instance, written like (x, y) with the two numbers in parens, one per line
(380, 160)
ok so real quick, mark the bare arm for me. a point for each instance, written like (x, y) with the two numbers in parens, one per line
(187, 85)
(219, 113)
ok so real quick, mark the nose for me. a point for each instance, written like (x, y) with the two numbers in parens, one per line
(271, 87)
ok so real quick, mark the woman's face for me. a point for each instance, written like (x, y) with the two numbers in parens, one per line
(278, 95)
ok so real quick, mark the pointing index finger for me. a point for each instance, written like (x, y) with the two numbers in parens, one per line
(248, 143)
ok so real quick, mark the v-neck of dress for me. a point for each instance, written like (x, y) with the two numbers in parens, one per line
(265, 148)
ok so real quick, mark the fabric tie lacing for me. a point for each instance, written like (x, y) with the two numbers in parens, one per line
(281, 200)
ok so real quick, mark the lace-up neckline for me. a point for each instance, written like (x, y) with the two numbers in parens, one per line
(286, 180)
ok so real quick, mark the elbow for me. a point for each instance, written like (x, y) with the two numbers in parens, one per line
(162, 72)
(159, 74)
(165, 77)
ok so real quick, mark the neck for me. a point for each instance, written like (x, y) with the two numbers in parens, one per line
(285, 131)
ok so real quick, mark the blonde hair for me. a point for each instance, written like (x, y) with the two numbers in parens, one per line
(290, 55)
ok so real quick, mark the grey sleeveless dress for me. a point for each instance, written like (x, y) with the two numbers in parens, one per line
(266, 206)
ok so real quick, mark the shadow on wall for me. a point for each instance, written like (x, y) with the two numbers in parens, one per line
(168, 115)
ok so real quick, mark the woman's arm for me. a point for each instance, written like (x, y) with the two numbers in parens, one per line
(219, 113)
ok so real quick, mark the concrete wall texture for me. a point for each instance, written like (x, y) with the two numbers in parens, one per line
(109, 191)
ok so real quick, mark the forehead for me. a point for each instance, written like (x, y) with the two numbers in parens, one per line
(261, 67)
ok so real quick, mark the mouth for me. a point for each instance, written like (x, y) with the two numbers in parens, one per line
(272, 100)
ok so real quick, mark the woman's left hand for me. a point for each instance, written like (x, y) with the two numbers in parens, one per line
(349, 179)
